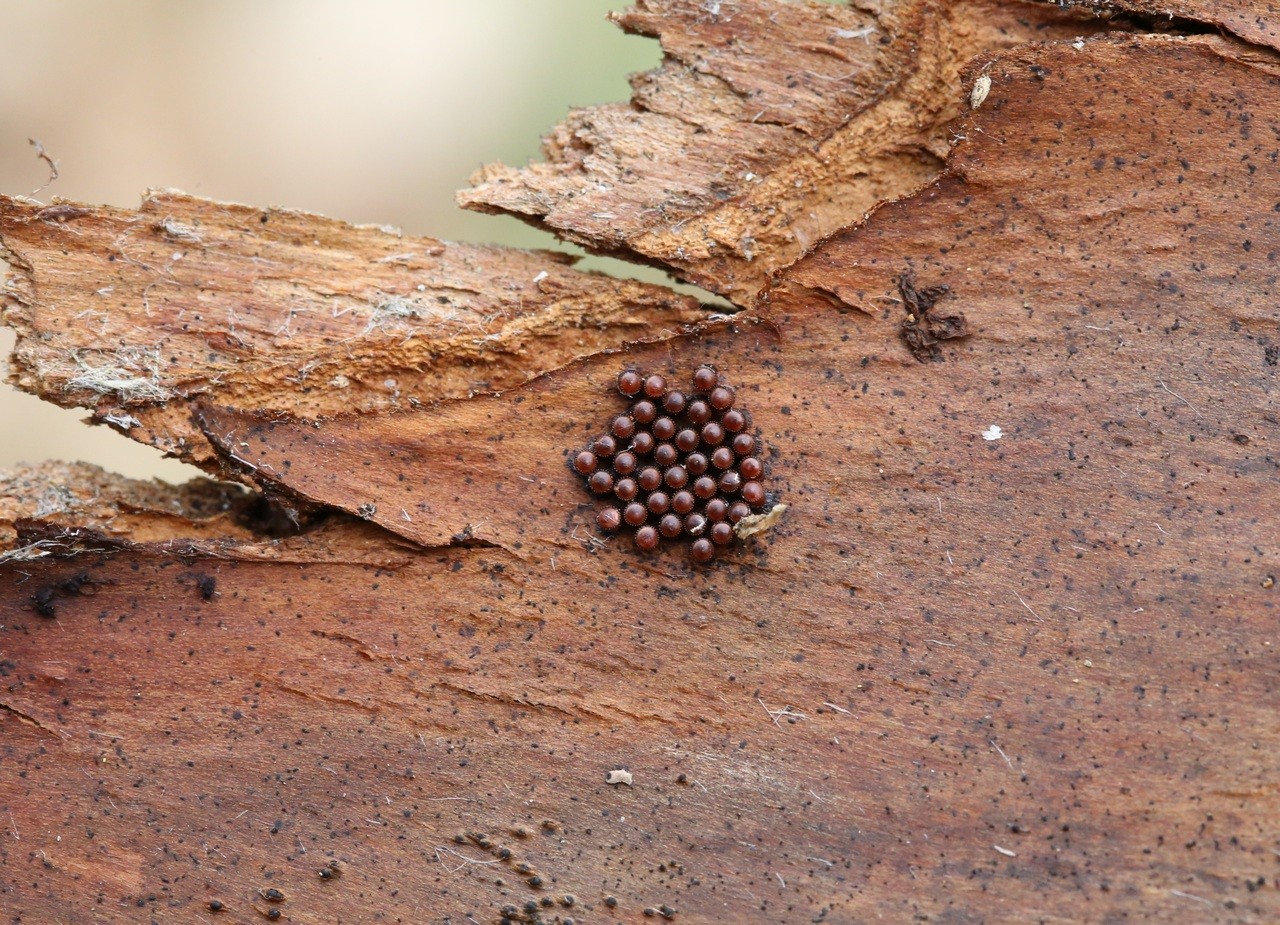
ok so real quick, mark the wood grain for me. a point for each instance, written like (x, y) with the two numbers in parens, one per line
(135, 314)
(767, 127)
(1252, 20)
(1008, 657)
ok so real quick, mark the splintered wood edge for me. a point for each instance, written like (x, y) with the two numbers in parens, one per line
(767, 146)
(63, 510)
(135, 313)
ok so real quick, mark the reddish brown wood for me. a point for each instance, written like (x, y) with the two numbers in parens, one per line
(1008, 656)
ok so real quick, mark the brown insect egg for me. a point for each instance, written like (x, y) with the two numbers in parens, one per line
(753, 493)
(650, 477)
(623, 427)
(630, 382)
(722, 458)
(721, 398)
(702, 551)
(664, 428)
(644, 412)
(698, 412)
(676, 463)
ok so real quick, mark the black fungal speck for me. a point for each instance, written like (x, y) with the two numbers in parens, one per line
(42, 602)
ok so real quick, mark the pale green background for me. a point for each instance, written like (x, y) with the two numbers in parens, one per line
(375, 111)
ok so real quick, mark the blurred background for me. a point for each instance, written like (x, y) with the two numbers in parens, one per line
(375, 111)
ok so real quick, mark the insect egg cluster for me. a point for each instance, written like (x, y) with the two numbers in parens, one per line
(676, 465)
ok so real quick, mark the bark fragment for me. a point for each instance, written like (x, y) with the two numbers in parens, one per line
(59, 511)
(1252, 20)
(136, 313)
(768, 126)
(59, 508)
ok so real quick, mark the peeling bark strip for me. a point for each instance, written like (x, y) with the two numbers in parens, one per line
(768, 126)
(58, 508)
(134, 313)
(1010, 652)
(1255, 21)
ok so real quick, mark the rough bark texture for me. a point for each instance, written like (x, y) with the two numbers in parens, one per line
(1008, 656)
(1251, 20)
(767, 127)
(136, 313)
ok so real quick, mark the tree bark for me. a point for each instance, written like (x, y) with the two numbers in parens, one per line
(1006, 322)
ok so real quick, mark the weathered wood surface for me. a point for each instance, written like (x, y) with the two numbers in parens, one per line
(1251, 20)
(136, 313)
(1010, 656)
(767, 127)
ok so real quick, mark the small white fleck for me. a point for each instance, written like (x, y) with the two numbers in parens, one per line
(855, 33)
(618, 776)
(1078, 44)
(122, 420)
(1005, 851)
(1088, 663)
(541, 276)
(981, 87)
(339, 381)
(992, 433)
